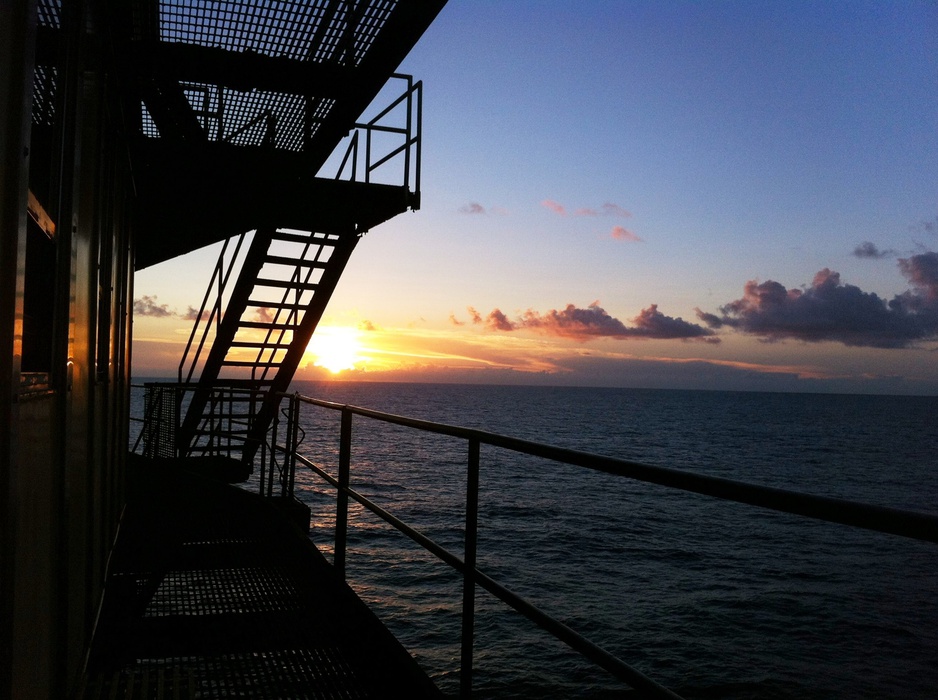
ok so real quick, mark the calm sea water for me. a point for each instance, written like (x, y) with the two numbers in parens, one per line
(712, 599)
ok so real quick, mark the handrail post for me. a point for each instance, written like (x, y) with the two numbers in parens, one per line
(275, 425)
(294, 432)
(341, 501)
(469, 578)
(287, 443)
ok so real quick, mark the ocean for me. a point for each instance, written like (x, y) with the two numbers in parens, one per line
(712, 599)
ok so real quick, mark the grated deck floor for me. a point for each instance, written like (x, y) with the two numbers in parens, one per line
(211, 593)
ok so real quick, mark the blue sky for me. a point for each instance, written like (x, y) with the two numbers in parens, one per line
(596, 171)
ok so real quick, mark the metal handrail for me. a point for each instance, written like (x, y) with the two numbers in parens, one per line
(220, 277)
(411, 131)
(915, 525)
(894, 521)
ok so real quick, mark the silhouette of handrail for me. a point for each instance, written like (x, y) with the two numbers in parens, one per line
(911, 524)
(409, 129)
(904, 523)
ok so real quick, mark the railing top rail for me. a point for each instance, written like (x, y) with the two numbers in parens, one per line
(905, 523)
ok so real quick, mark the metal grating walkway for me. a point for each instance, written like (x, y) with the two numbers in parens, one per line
(211, 593)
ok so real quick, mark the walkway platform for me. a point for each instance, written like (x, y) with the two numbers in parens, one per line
(212, 593)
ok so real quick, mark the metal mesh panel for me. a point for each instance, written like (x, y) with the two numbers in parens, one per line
(320, 31)
(50, 13)
(301, 674)
(242, 107)
(160, 420)
(275, 29)
(44, 92)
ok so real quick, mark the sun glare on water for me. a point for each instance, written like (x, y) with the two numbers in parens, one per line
(335, 349)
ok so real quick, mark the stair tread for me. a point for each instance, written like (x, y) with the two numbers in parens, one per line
(275, 304)
(249, 363)
(296, 262)
(272, 326)
(285, 284)
(299, 238)
(259, 344)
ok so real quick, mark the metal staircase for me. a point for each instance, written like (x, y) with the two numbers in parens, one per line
(234, 120)
(285, 282)
(270, 286)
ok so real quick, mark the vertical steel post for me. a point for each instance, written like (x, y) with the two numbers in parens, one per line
(368, 154)
(270, 476)
(469, 582)
(273, 449)
(341, 501)
(409, 129)
(287, 442)
(419, 138)
(294, 440)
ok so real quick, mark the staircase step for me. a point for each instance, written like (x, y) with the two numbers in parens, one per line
(277, 305)
(268, 326)
(248, 363)
(285, 284)
(295, 262)
(260, 345)
(297, 238)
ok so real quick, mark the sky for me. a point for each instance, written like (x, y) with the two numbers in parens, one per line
(689, 195)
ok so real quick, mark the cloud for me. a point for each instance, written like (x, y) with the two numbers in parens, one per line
(593, 322)
(366, 325)
(869, 250)
(831, 311)
(922, 273)
(497, 321)
(555, 207)
(929, 226)
(611, 209)
(475, 315)
(147, 306)
(621, 233)
(472, 208)
(607, 209)
(192, 314)
(455, 321)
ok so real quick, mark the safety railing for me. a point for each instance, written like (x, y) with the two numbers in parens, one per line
(222, 431)
(909, 524)
(209, 315)
(398, 127)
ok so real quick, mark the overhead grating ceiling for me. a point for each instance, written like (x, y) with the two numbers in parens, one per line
(333, 32)
(322, 31)
(289, 74)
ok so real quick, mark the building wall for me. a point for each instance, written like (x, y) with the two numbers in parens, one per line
(63, 423)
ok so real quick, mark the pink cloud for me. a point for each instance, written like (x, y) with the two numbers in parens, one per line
(593, 322)
(620, 233)
(497, 321)
(555, 207)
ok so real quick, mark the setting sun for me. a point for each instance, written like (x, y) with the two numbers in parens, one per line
(335, 348)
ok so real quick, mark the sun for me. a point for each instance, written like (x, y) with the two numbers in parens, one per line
(335, 348)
